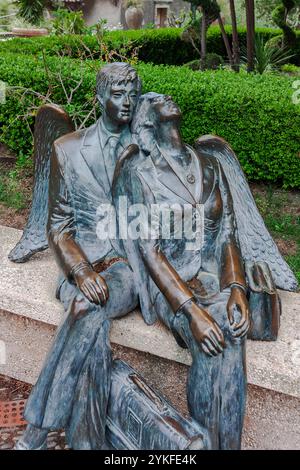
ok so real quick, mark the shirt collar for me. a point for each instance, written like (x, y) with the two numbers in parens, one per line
(105, 134)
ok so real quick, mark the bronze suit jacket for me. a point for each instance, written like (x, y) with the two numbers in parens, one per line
(219, 255)
(78, 185)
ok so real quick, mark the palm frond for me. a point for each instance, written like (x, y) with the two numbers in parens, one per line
(267, 56)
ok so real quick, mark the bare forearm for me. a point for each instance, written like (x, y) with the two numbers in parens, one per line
(166, 278)
(67, 252)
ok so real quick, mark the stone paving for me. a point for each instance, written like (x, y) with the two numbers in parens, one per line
(272, 419)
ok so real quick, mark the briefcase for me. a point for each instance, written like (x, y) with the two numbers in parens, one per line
(141, 419)
(264, 302)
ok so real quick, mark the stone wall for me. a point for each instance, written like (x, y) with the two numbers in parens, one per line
(96, 9)
(115, 14)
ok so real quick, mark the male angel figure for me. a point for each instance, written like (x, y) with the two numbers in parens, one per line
(73, 387)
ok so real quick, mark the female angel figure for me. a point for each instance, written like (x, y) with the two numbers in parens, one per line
(198, 290)
(195, 292)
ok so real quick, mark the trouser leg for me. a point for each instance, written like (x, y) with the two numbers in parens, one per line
(233, 392)
(80, 346)
(217, 393)
(203, 384)
(216, 387)
(232, 381)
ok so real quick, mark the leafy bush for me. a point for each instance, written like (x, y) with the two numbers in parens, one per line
(291, 69)
(68, 22)
(254, 113)
(158, 46)
(267, 56)
(212, 62)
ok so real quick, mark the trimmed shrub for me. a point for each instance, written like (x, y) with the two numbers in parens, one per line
(212, 62)
(254, 113)
(158, 46)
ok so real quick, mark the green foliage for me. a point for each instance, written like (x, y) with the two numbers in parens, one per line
(132, 3)
(210, 7)
(254, 113)
(11, 193)
(264, 10)
(280, 18)
(4, 11)
(158, 46)
(291, 69)
(294, 263)
(31, 10)
(68, 22)
(267, 56)
(212, 62)
(155, 45)
(280, 212)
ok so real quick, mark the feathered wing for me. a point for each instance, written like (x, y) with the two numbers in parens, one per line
(256, 242)
(51, 123)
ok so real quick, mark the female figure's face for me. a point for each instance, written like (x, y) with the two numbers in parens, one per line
(165, 109)
(152, 110)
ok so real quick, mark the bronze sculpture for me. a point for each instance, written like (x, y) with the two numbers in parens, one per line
(196, 292)
(82, 340)
(164, 280)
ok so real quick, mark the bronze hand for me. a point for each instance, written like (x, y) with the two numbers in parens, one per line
(238, 304)
(91, 284)
(204, 328)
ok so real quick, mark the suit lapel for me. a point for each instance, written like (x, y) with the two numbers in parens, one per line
(196, 170)
(174, 184)
(173, 177)
(92, 153)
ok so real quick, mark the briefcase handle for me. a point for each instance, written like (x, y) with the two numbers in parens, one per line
(147, 391)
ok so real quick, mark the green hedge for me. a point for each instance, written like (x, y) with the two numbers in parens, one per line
(159, 46)
(254, 113)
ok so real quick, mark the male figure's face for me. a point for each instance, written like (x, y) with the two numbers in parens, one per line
(119, 102)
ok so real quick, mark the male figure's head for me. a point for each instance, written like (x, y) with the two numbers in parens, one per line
(118, 89)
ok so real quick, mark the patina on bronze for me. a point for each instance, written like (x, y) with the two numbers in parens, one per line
(73, 388)
(200, 294)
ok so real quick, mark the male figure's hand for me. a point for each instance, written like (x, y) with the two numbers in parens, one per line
(205, 330)
(91, 284)
(238, 312)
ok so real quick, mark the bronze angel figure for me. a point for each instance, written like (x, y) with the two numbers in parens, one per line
(135, 149)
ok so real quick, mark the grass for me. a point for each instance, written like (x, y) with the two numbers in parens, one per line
(10, 195)
(281, 212)
(15, 190)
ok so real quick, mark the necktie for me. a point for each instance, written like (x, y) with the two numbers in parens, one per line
(111, 157)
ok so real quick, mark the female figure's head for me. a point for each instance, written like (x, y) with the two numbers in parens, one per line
(153, 112)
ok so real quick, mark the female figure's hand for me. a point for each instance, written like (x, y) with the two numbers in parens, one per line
(205, 330)
(238, 306)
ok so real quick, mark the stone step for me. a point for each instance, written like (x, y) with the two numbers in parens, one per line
(30, 314)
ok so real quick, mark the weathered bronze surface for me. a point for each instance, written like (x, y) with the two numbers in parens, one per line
(201, 293)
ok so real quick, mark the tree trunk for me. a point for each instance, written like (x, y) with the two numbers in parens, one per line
(226, 40)
(203, 41)
(235, 38)
(250, 11)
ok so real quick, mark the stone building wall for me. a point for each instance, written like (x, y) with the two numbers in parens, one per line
(113, 11)
(106, 9)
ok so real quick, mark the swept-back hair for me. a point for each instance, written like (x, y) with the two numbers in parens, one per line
(144, 121)
(116, 73)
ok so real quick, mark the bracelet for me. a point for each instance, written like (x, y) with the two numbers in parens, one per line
(180, 310)
(235, 284)
(79, 266)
